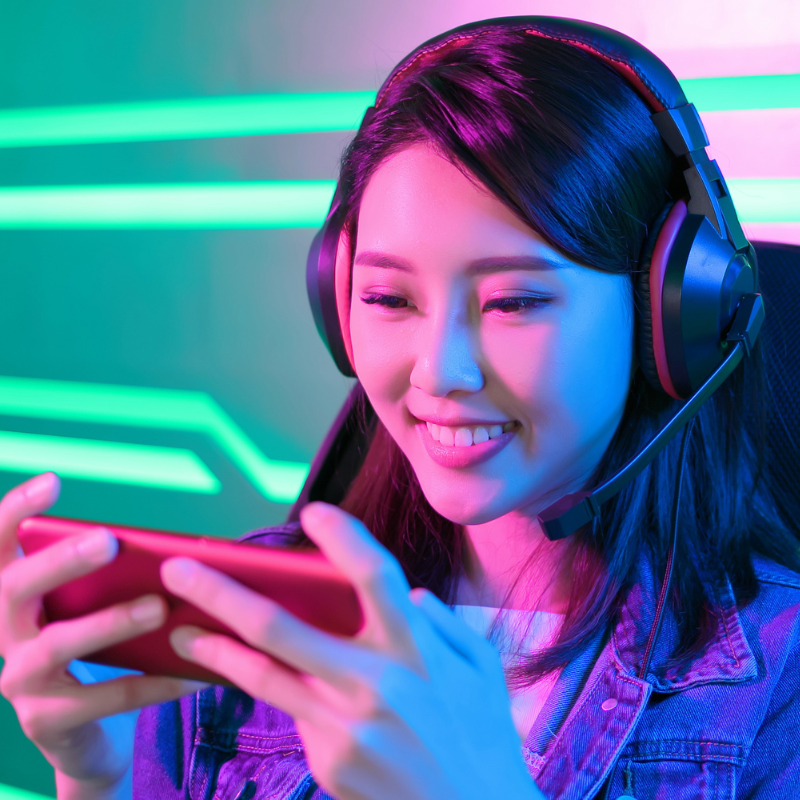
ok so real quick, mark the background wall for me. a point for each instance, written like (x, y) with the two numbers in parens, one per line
(189, 349)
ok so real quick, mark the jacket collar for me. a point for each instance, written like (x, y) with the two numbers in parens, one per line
(726, 658)
(573, 758)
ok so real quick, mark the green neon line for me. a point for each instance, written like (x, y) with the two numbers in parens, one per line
(267, 114)
(13, 793)
(766, 200)
(117, 462)
(254, 204)
(203, 118)
(743, 93)
(268, 204)
(146, 407)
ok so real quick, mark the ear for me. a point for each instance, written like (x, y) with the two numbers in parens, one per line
(342, 287)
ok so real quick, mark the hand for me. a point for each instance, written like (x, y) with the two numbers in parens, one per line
(70, 723)
(414, 706)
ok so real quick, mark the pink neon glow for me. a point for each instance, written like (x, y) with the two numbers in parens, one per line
(755, 144)
(788, 232)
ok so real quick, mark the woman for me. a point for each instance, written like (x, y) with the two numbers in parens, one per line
(495, 211)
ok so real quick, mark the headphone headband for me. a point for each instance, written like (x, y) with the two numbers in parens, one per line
(704, 270)
(651, 78)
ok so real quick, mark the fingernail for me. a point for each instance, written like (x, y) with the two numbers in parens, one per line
(148, 611)
(39, 487)
(181, 572)
(182, 641)
(195, 686)
(98, 547)
(317, 511)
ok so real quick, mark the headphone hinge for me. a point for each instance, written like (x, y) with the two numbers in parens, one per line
(681, 128)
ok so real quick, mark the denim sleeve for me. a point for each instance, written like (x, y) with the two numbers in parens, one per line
(772, 769)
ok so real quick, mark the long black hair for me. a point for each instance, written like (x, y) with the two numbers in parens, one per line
(569, 147)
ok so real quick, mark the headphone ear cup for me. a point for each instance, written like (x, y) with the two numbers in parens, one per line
(644, 344)
(321, 285)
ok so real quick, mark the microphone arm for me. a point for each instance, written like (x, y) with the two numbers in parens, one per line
(566, 515)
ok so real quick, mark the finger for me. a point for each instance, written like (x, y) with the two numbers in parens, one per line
(458, 636)
(27, 579)
(62, 642)
(75, 706)
(32, 497)
(260, 621)
(376, 575)
(254, 672)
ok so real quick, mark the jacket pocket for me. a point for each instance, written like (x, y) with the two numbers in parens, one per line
(677, 770)
(246, 767)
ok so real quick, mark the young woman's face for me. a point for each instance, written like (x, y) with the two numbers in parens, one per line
(467, 328)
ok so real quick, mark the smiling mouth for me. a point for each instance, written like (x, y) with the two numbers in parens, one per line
(468, 435)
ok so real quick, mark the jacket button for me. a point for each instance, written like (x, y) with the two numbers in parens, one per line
(607, 705)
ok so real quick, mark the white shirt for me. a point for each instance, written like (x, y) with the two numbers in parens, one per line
(518, 633)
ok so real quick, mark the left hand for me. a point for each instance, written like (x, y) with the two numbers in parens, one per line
(414, 706)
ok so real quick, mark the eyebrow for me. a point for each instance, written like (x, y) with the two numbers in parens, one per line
(481, 266)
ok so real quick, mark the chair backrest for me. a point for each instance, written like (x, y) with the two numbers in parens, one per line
(342, 452)
(779, 274)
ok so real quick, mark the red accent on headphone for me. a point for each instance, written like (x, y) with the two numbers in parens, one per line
(658, 268)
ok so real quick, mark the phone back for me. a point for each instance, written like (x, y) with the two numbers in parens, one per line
(304, 583)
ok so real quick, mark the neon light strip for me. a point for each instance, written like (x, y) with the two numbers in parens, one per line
(203, 118)
(117, 462)
(278, 481)
(743, 93)
(766, 200)
(256, 204)
(265, 204)
(786, 232)
(13, 793)
(259, 115)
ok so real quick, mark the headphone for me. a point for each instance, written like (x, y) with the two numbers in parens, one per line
(699, 310)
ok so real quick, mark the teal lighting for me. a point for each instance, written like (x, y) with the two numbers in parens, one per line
(14, 793)
(269, 114)
(743, 92)
(254, 204)
(117, 462)
(202, 118)
(146, 407)
(766, 200)
(266, 204)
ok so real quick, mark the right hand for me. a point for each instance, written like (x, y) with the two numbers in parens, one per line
(74, 725)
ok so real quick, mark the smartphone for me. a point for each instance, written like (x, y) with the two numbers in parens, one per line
(304, 583)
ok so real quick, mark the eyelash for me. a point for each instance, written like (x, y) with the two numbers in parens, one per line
(503, 304)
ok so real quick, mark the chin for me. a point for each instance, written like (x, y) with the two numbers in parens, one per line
(466, 508)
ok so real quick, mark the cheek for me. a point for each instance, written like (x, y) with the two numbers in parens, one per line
(381, 355)
(567, 378)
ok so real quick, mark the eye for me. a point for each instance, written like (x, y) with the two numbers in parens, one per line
(385, 300)
(510, 305)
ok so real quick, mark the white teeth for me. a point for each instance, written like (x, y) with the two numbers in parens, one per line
(480, 436)
(466, 437)
(463, 438)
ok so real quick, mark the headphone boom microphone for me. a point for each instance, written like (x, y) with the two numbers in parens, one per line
(572, 511)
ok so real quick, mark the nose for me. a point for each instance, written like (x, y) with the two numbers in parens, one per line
(446, 358)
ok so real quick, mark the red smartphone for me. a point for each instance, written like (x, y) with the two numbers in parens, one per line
(304, 583)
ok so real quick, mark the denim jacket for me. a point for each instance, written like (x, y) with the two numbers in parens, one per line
(728, 726)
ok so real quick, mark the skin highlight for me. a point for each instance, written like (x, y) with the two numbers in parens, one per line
(440, 329)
